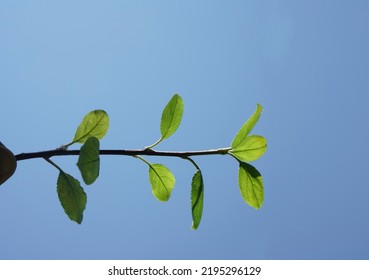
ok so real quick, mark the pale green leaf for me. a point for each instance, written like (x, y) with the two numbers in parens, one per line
(251, 185)
(89, 160)
(171, 116)
(71, 196)
(94, 124)
(250, 149)
(247, 127)
(162, 181)
(197, 199)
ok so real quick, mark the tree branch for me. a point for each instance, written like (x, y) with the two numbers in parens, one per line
(144, 152)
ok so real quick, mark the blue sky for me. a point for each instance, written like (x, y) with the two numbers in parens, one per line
(306, 62)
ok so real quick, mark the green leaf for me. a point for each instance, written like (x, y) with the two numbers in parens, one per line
(162, 181)
(89, 160)
(71, 196)
(247, 127)
(251, 185)
(250, 149)
(171, 116)
(197, 199)
(94, 124)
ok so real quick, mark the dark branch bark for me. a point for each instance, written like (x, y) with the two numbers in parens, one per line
(144, 152)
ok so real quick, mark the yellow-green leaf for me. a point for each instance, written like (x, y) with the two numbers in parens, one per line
(251, 185)
(94, 124)
(247, 127)
(250, 149)
(162, 181)
(171, 116)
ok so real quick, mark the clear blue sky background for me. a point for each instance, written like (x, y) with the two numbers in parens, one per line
(306, 62)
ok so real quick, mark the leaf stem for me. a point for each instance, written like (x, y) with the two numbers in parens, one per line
(53, 164)
(153, 145)
(193, 162)
(144, 160)
(145, 152)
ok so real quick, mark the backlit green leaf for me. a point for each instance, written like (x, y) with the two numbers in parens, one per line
(162, 181)
(94, 124)
(251, 185)
(89, 160)
(197, 199)
(171, 116)
(250, 149)
(247, 127)
(71, 196)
